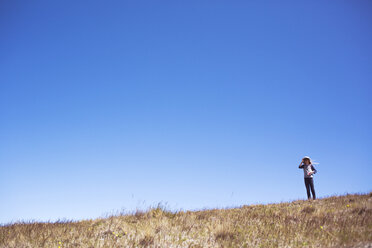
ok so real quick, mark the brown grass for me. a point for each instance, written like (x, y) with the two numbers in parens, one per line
(337, 221)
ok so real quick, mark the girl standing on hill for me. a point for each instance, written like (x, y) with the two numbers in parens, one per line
(309, 170)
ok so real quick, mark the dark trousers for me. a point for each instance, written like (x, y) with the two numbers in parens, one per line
(309, 183)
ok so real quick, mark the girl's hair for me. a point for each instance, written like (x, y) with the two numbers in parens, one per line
(310, 161)
(307, 158)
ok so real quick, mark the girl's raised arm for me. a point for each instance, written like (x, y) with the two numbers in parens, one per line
(301, 165)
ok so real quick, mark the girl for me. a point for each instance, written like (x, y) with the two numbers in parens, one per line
(309, 170)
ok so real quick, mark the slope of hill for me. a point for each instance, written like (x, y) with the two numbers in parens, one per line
(337, 221)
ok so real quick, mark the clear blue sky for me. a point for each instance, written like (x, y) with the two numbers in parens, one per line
(107, 105)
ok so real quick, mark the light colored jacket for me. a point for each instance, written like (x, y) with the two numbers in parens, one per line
(307, 169)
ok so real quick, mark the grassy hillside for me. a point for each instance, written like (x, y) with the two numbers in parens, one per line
(338, 221)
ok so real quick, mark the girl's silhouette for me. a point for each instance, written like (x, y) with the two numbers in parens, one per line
(309, 171)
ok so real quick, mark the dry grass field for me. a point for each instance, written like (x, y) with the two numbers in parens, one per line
(337, 221)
